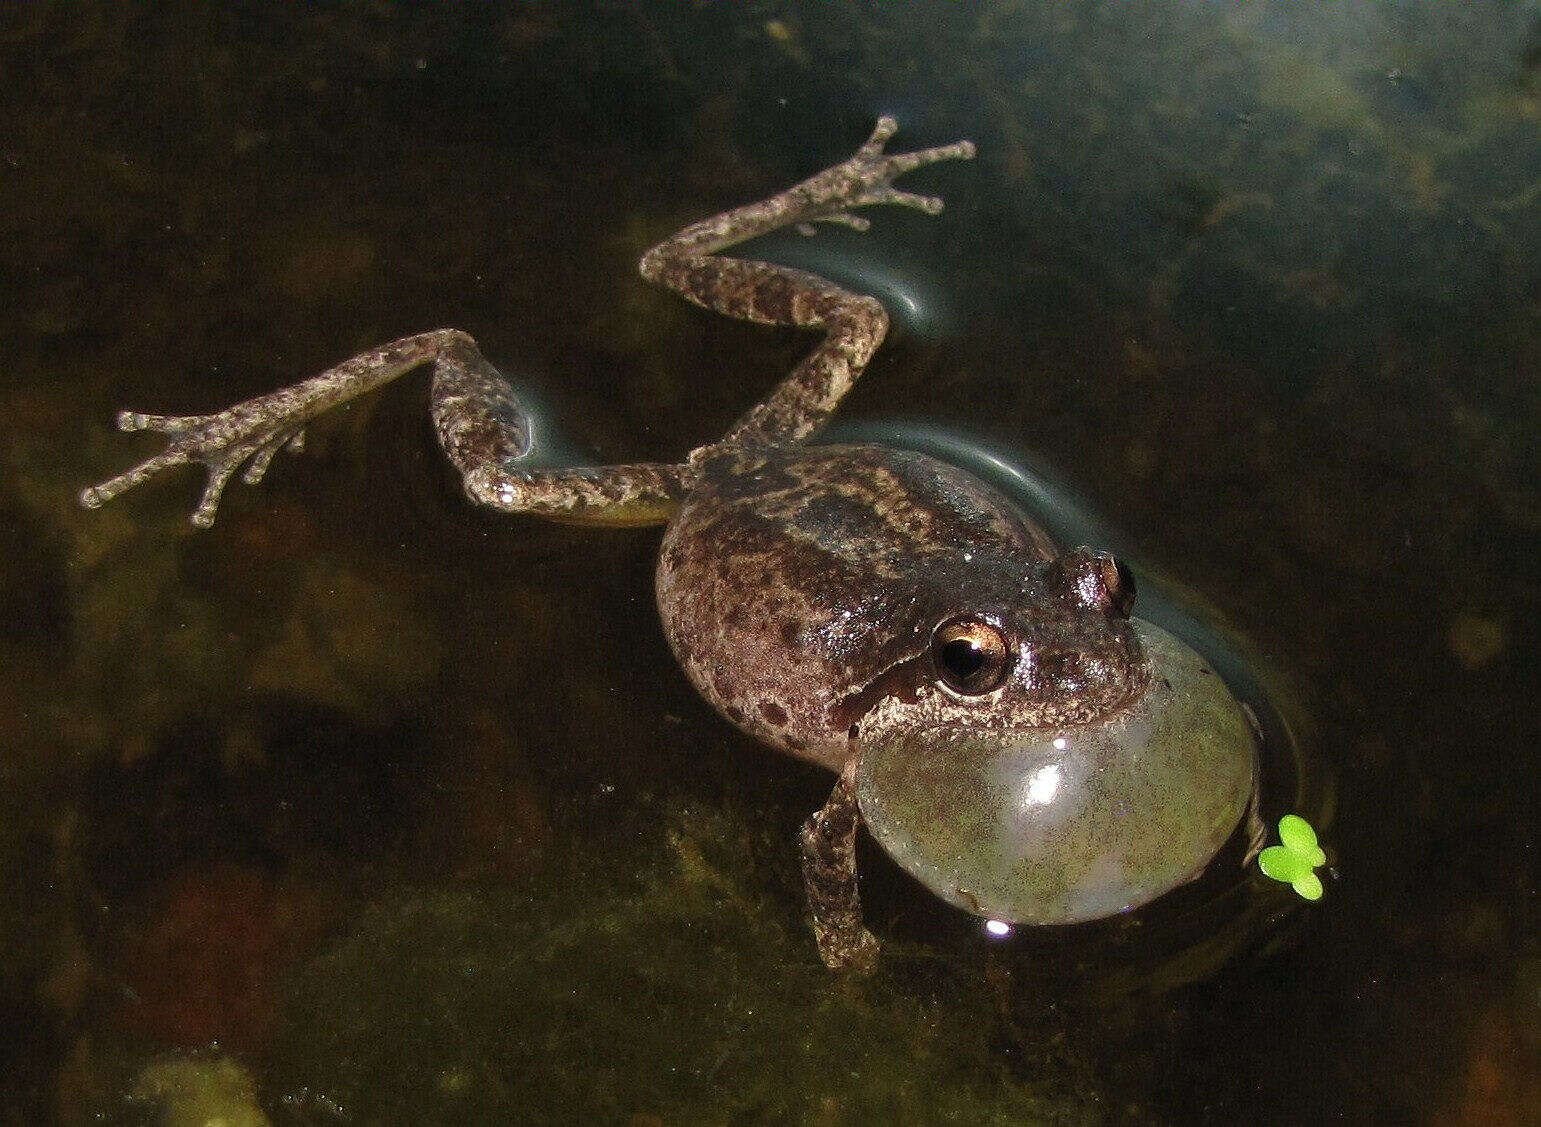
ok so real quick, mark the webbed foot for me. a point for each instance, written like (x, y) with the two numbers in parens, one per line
(867, 177)
(254, 430)
(250, 432)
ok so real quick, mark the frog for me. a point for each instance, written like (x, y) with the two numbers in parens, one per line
(873, 611)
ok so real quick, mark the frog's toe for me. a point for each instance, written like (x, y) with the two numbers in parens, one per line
(885, 128)
(839, 218)
(294, 442)
(931, 205)
(160, 424)
(898, 164)
(208, 502)
(94, 496)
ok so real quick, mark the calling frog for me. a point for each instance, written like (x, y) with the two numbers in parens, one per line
(993, 713)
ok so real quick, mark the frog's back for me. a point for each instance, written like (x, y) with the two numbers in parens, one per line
(791, 580)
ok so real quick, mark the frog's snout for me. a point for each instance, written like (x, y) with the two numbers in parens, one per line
(1088, 677)
(1068, 670)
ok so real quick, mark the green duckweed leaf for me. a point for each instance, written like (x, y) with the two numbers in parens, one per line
(1308, 887)
(1293, 863)
(1279, 863)
(1298, 837)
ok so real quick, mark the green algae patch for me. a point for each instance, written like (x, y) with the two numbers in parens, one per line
(679, 992)
(200, 1093)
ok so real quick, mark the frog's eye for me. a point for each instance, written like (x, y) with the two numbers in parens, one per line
(1096, 579)
(971, 657)
(1118, 581)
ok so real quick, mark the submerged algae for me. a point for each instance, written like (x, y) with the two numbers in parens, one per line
(678, 993)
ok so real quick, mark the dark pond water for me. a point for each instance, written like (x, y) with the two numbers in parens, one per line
(367, 806)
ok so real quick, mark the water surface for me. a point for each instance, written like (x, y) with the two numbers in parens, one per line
(368, 807)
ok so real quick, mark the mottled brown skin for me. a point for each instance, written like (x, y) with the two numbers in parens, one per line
(801, 587)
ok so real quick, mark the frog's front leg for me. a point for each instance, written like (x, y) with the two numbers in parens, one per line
(854, 324)
(829, 871)
(479, 421)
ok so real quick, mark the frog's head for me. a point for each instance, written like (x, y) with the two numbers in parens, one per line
(1051, 759)
(1057, 651)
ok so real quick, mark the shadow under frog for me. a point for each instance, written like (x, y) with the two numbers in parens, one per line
(994, 715)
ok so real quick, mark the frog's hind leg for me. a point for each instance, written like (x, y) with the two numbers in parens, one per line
(479, 421)
(485, 432)
(854, 324)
